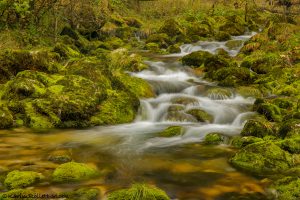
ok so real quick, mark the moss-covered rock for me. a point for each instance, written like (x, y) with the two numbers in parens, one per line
(200, 115)
(222, 36)
(161, 39)
(83, 194)
(6, 118)
(290, 128)
(218, 93)
(287, 188)
(234, 44)
(257, 128)
(291, 145)
(240, 142)
(248, 91)
(270, 111)
(179, 116)
(198, 29)
(22, 179)
(171, 131)
(73, 172)
(139, 191)
(213, 139)
(262, 158)
(233, 76)
(60, 157)
(174, 48)
(120, 107)
(184, 100)
(171, 27)
(196, 59)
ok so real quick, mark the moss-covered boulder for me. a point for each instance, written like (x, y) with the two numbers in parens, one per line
(171, 27)
(213, 139)
(291, 145)
(287, 188)
(179, 116)
(184, 100)
(290, 128)
(234, 44)
(200, 115)
(14, 61)
(218, 93)
(174, 48)
(139, 191)
(269, 110)
(83, 193)
(240, 142)
(22, 179)
(262, 158)
(222, 36)
(120, 107)
(198, 29)
(60, 156)
(257, 128)
(161, 39)
(73, 172)
(6, 118)
(171, 131)
(248, 91)
(234, 25)
(196, 59)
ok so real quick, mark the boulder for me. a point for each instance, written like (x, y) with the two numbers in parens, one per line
(171, 131)
(22, 179)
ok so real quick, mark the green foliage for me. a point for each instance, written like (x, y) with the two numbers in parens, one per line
(21, 179)
(73, 172)
(139, 191)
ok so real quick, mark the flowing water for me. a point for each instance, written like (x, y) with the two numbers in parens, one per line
(181, 165)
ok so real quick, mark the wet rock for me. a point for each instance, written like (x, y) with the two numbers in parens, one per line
(196, 59)
(73, 172)
(175, 108)
(184, 100)
(174, 48)
(257, 128)
(262, 158)
(60, 157)
(287, 188)
(171, 131)
(179, 116)
(218, 93)
(144, 192)
(22, 179)
(233, 76)
(234, 44)
(291, 145)
(213, 139)
(247, 91)
(200, 115)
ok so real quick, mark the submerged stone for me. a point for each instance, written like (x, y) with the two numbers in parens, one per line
(139, 191)
(200, 115)
(171, 131)
(213, 139)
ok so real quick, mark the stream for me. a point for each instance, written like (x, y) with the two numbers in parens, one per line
(181, 165)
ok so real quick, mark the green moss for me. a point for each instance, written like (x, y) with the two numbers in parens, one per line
(213, 139)
(222, 36)
(153, 47)
(262, 158)
(247, 91)
(139, 191)
(6, 118)
(184, 100)
(291, 145)
(174, 48)
(22, 179)
(240, 142)
(234, 44)
(196, 59)
(200, 115)
(120, 107)
(198, 29)
(66, 51)
(270, 111)
(233, 76)
(83, 194)
(257, 128)
(18, 194)
(73, 172)
(289, 128)
(161, 39)
(171, 27)
(287, 188)
(171, 131)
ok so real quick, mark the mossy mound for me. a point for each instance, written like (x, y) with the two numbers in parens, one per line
(270, 111)
(6, 118)
(22, 179)
(213, 139)
(196, 59)
(262, 158)
(240, 142)
(257, 128)
(139, 191)
(287, 188)
(14, 61)
(289, 128)
(200, 115)
(83, 194)
(248, 91)
(171, 131)
(291, 145)
(161, 39)
(73, 172)
(222, 36)
(172, 28)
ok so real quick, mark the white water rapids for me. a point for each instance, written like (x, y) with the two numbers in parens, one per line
(171, 80)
